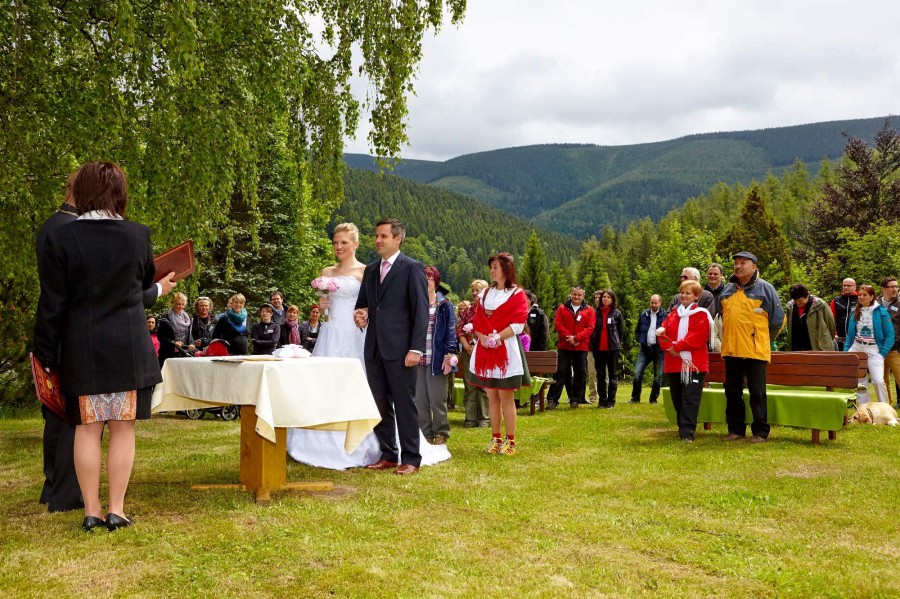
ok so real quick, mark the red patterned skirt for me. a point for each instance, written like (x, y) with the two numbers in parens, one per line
(100, 407)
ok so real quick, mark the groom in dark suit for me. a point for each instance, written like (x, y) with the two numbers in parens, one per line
(394, 300)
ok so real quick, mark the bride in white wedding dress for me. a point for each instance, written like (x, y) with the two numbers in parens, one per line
(340, 337)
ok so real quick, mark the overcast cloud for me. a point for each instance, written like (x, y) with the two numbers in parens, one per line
(520, 72)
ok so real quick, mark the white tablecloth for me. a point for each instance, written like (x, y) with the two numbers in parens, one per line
(324, 393)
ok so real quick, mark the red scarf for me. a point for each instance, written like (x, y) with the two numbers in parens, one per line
(514, 310)
(293, 332)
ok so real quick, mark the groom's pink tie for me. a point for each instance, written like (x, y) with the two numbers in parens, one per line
(385, 267)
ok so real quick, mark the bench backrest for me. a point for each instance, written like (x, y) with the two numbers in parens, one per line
(541, 362)
(804, 369)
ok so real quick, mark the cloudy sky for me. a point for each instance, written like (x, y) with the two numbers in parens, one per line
(520, 72)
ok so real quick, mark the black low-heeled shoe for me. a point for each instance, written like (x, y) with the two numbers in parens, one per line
(115, 522)
(91, 522)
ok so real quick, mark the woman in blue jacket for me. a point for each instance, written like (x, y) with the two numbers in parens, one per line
(437, 362)
(870, 331)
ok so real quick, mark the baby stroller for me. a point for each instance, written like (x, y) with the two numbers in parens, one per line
(216, 347)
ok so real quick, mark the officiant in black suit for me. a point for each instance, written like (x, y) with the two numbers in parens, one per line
(393, 299)
(60, 491)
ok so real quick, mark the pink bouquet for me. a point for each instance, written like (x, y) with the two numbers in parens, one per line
(450, 361)
(467, 328)
(324, 286)
(493, 340)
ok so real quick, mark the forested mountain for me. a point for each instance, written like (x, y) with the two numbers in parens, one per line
(578, 189)
(454, 232)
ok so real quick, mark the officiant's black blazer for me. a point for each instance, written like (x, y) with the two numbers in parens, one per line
(57, 220)
(398, 308)
(90, 320)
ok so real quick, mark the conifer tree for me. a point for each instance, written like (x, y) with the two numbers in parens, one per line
(759, 233)
(533, 273)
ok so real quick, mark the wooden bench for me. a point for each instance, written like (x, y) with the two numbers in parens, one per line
(542, 367)
(800, 387)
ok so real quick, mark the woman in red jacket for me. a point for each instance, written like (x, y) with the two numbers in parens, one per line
(684, 339)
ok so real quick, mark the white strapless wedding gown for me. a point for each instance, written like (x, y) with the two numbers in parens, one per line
(341, 338)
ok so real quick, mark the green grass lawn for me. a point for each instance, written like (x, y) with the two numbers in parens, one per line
(596, 503)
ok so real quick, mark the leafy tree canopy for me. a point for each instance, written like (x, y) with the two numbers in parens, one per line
(187, 97)
(866, 189)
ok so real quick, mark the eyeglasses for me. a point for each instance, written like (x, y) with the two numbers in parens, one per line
(891, 287)
(684, 277)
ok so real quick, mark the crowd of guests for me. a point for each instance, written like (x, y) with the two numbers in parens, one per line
(177, 334)
(740, 317)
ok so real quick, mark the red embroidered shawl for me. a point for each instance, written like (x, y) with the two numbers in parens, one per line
(514, 310)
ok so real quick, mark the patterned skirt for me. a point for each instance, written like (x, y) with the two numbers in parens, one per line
(123, 405)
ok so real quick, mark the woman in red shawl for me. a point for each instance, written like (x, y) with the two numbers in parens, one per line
(498, 362)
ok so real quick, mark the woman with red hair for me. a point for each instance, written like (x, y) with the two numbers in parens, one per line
(498, 361)
(438, 361)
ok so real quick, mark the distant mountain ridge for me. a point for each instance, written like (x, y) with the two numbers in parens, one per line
(577, 189)
(455, 232)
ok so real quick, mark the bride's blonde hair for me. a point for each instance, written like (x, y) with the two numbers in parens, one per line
(349, 228)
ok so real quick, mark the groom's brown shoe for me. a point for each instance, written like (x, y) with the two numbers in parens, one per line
(382, 465)
(406, 469)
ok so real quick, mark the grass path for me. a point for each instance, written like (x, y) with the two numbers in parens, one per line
(597, 503)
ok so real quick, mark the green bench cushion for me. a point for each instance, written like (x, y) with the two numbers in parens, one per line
(523, 395)
(803, 408)
(459, 390)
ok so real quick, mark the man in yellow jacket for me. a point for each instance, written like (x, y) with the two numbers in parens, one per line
(751, 318)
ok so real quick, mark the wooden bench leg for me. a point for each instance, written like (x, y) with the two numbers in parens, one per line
(542, 396)
(707, 426)
(832, 435)
(531, 402)
(815, 436)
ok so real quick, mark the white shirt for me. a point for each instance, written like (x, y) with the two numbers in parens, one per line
(651, 332)
(391, 259)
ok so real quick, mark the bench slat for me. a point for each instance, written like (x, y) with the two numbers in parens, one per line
(804, 369)
(841, 382)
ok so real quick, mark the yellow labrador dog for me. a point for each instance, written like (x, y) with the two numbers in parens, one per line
(875, 413)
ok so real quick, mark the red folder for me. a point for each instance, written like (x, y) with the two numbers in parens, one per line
(46, 385)
(179, 259)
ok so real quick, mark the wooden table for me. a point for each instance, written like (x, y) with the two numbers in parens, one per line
(320, 393)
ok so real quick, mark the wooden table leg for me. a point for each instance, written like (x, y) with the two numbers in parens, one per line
(707, 426)
(263, 463)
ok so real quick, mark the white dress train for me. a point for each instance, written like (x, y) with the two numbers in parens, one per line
(341, 338)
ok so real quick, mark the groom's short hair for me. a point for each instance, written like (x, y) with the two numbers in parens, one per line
(397, 228)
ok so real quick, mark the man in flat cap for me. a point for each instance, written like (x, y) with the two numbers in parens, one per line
(751, 317)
